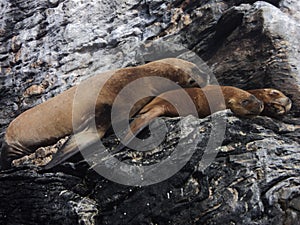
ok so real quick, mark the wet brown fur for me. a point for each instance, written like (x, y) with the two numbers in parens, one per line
(276, 104)
(46, 123)
(207, 100)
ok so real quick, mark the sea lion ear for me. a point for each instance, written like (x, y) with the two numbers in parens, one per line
(231, 101)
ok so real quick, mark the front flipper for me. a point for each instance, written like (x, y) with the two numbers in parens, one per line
(137, 125)
(77, 142)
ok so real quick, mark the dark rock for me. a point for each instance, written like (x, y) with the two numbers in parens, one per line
(247, 174)
(257, 51)
(252, 180)
(43, 198)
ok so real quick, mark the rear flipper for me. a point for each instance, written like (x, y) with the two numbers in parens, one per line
(10, 153)
(6, 160)
(137, 125)
(77, 142)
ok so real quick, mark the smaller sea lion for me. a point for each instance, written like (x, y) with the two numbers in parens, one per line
(275, 102)
(240, 102)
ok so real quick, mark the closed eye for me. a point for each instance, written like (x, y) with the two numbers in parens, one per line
(274, 93)
(245, 102)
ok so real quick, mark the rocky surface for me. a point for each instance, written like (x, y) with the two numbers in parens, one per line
(48, 46)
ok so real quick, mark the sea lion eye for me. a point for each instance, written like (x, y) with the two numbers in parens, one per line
(274, 93)
(245, 102)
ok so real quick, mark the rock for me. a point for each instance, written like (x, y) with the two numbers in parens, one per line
(291, 7)
(257, 51)
(247, 173)
(36, 89)
(258, 174)
(41, 194)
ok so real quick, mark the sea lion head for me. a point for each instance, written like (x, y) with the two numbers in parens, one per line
(275, 102)
(245, 104)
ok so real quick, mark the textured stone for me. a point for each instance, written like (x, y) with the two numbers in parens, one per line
(258, 51)
(251, 177)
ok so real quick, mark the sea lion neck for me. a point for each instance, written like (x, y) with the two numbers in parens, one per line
(229, 92)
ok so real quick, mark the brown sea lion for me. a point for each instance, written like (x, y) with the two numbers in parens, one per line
(73, 111)
(240, 102)
(275, 102)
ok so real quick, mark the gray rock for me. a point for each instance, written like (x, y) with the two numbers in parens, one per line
(249, 175)
(291, 7)
(258, 51)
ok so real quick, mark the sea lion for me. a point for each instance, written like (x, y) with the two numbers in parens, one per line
(276, 104)
(48, 122)
(240, 102)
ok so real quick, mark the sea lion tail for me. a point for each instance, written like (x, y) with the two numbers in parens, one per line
(5, 160)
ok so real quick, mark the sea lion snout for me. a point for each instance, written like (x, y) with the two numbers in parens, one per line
(280, 106)
(286, 103)
(256, 111)
(257, 106)
(252, 105)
